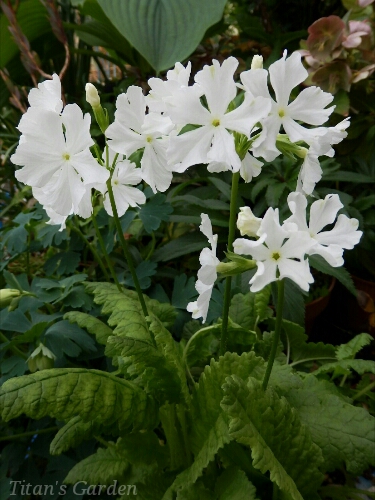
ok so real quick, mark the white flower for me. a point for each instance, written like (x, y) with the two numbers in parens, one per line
(247, 223)
(309, 105)
(55, 155)
(207, 274)
(133, 130)
(47, 95)
(257, 62)
(177, 79)
(212, 142)
(279, 253)
(328, 244)
(125, 175)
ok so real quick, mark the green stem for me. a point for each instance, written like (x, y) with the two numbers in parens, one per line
(13, 348)
(92, 250)
(228, 279)
(275, 343)
(29, 433)
(364, 390)
(105, 253)
(126, 249)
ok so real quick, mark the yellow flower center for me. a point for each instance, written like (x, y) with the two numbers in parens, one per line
(276, 256)
(281, 113)
(216, 122)
(149, 139)
(66, 156)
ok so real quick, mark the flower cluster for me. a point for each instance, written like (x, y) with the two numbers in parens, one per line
(215, 121)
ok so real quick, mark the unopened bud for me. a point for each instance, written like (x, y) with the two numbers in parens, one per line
(247, 223)
(257, 62)
(92, 96)
(41, 359)
(7, 295)
(237, 265)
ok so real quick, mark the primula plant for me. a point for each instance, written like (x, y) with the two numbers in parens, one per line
(242, 406)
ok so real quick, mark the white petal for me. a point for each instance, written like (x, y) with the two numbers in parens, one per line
(331, 253)
(77, 129)
(285, 74)
(266, 273)
(47, 95)
(324, 212)
(310, 173)
(153, 165)
(309, 106)
(299, 272)
(255, 82)
(190, 148)
(250, 167)
(344, 233)
(223, 149)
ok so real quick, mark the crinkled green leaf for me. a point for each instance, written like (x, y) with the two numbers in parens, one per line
(279, 442)
(345, 433)
(195, 491)
(103, 467)
(73, 433)
(349, 350)
(91, 324)
(360, 366)
(250, 309)
(234, 485)
(64, 393)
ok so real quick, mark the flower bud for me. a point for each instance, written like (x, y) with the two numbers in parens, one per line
(41, 359)
(237, 265)
(92, 96)
(7, 295)
(247, 223)
(257, 62)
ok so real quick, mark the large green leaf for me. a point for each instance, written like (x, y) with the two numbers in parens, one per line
(345, 433)
(91, 324)
(73, 433)
(163, 31)
(279, 442)
(64, 393)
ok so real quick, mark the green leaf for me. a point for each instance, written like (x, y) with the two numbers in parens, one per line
(103, 467)
(65, 338)
(144, 270)
(157, 29)
(347, 176)
(209, 428)
(185, 245)
(194, 491)
(62, 263)
(73, 433)
(91, 324)
(183, 291)
(340, 273)
(249, 309)
(300, 350)
(360, 366)
(345, 433)
(155, 210)
(234, 485)
(349, 350)
(64, 393)
(269, 426)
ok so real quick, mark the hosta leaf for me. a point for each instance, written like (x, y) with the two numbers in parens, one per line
(279, 442)
(158, 28)
(91, 324)
(345, 433)
(103, 467)
(73, 433)
(349, 350)
(64, 393)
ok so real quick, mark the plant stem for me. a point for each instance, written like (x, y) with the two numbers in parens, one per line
(13, 348)
(364, 390)
(92, 249)
(126, 249)
(275, 343)
(228, 279)
(29, 433)
(105, 253)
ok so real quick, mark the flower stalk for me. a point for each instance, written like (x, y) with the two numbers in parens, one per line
(276, 338)
(228, 279)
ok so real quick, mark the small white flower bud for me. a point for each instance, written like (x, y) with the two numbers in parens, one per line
(7, 295)
(247, 223)
(40, 359)
(92, 96)
(257, 62)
